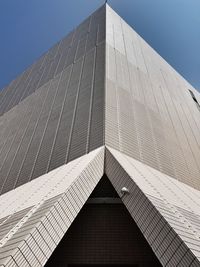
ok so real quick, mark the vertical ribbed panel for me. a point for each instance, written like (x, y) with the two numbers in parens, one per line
(81, 116)
(62, 139)
(64, 118)
(96, 127)
(37, 139)
(149, 112)
(10, 176)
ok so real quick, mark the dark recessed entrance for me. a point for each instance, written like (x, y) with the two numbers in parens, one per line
(103, 234)
(101, 265)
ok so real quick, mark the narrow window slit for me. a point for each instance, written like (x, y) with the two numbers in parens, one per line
(195, 100)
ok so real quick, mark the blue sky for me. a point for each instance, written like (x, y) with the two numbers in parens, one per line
(28, 28)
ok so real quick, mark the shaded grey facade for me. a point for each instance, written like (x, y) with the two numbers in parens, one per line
(100, 102)
(55, 109)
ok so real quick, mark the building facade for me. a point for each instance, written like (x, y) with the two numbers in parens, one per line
(101, 110)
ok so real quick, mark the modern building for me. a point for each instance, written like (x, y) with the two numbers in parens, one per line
(100, 155)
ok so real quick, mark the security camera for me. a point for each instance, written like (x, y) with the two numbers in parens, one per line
(124, 191)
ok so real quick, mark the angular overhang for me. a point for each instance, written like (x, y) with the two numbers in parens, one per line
(38, 215)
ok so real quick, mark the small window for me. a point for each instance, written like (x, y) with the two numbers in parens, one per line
(195, 100)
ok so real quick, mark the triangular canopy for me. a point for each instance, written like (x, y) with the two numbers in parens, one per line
(45, 208)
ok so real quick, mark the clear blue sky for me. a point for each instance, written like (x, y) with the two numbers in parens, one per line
(28, 28)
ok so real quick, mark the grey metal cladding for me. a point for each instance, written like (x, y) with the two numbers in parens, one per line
(33, 148)
(102, 84)
(20, 156)
(60, 56)
(79, 131)
(149, 112)
(60, 111)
